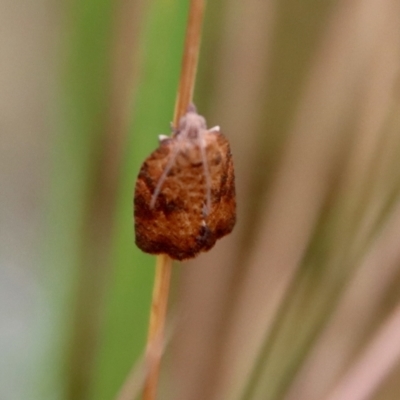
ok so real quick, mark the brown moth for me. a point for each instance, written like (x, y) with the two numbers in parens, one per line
(185, 192)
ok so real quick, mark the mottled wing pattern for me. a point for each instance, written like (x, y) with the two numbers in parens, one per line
(177, 225)
(222, 218)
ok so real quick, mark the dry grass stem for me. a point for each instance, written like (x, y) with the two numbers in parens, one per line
(134, 382)
(164, 263)
(190, 58)
(155, 339)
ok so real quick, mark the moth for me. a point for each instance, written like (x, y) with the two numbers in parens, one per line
(185, 191)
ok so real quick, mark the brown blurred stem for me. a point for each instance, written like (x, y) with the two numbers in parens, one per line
(159, 303)
(155, 337)
(190, 58)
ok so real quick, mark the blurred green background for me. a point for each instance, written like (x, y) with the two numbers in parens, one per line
(306, 92)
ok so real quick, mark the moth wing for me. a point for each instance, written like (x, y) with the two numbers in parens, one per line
(223, 212)
(174, 225)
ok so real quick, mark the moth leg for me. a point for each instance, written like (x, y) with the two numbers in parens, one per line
(163, 176)
(174, 130)
(207, 177)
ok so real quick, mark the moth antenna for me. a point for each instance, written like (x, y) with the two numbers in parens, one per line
(163, 177)
(207, 176)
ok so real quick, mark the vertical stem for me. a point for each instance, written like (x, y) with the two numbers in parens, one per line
(157, 322)
(164, 263)
(190, 58)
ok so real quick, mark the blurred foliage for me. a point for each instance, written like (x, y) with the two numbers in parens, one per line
(123, 318)
(306, 93)
(128, 303)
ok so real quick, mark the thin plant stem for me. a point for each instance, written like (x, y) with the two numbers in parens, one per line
(162, 280)
(155, 339)
(190, 58)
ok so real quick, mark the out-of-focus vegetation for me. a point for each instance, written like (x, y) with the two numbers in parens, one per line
(301, 301)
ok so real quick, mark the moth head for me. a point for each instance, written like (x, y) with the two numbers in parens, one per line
(191, 123)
